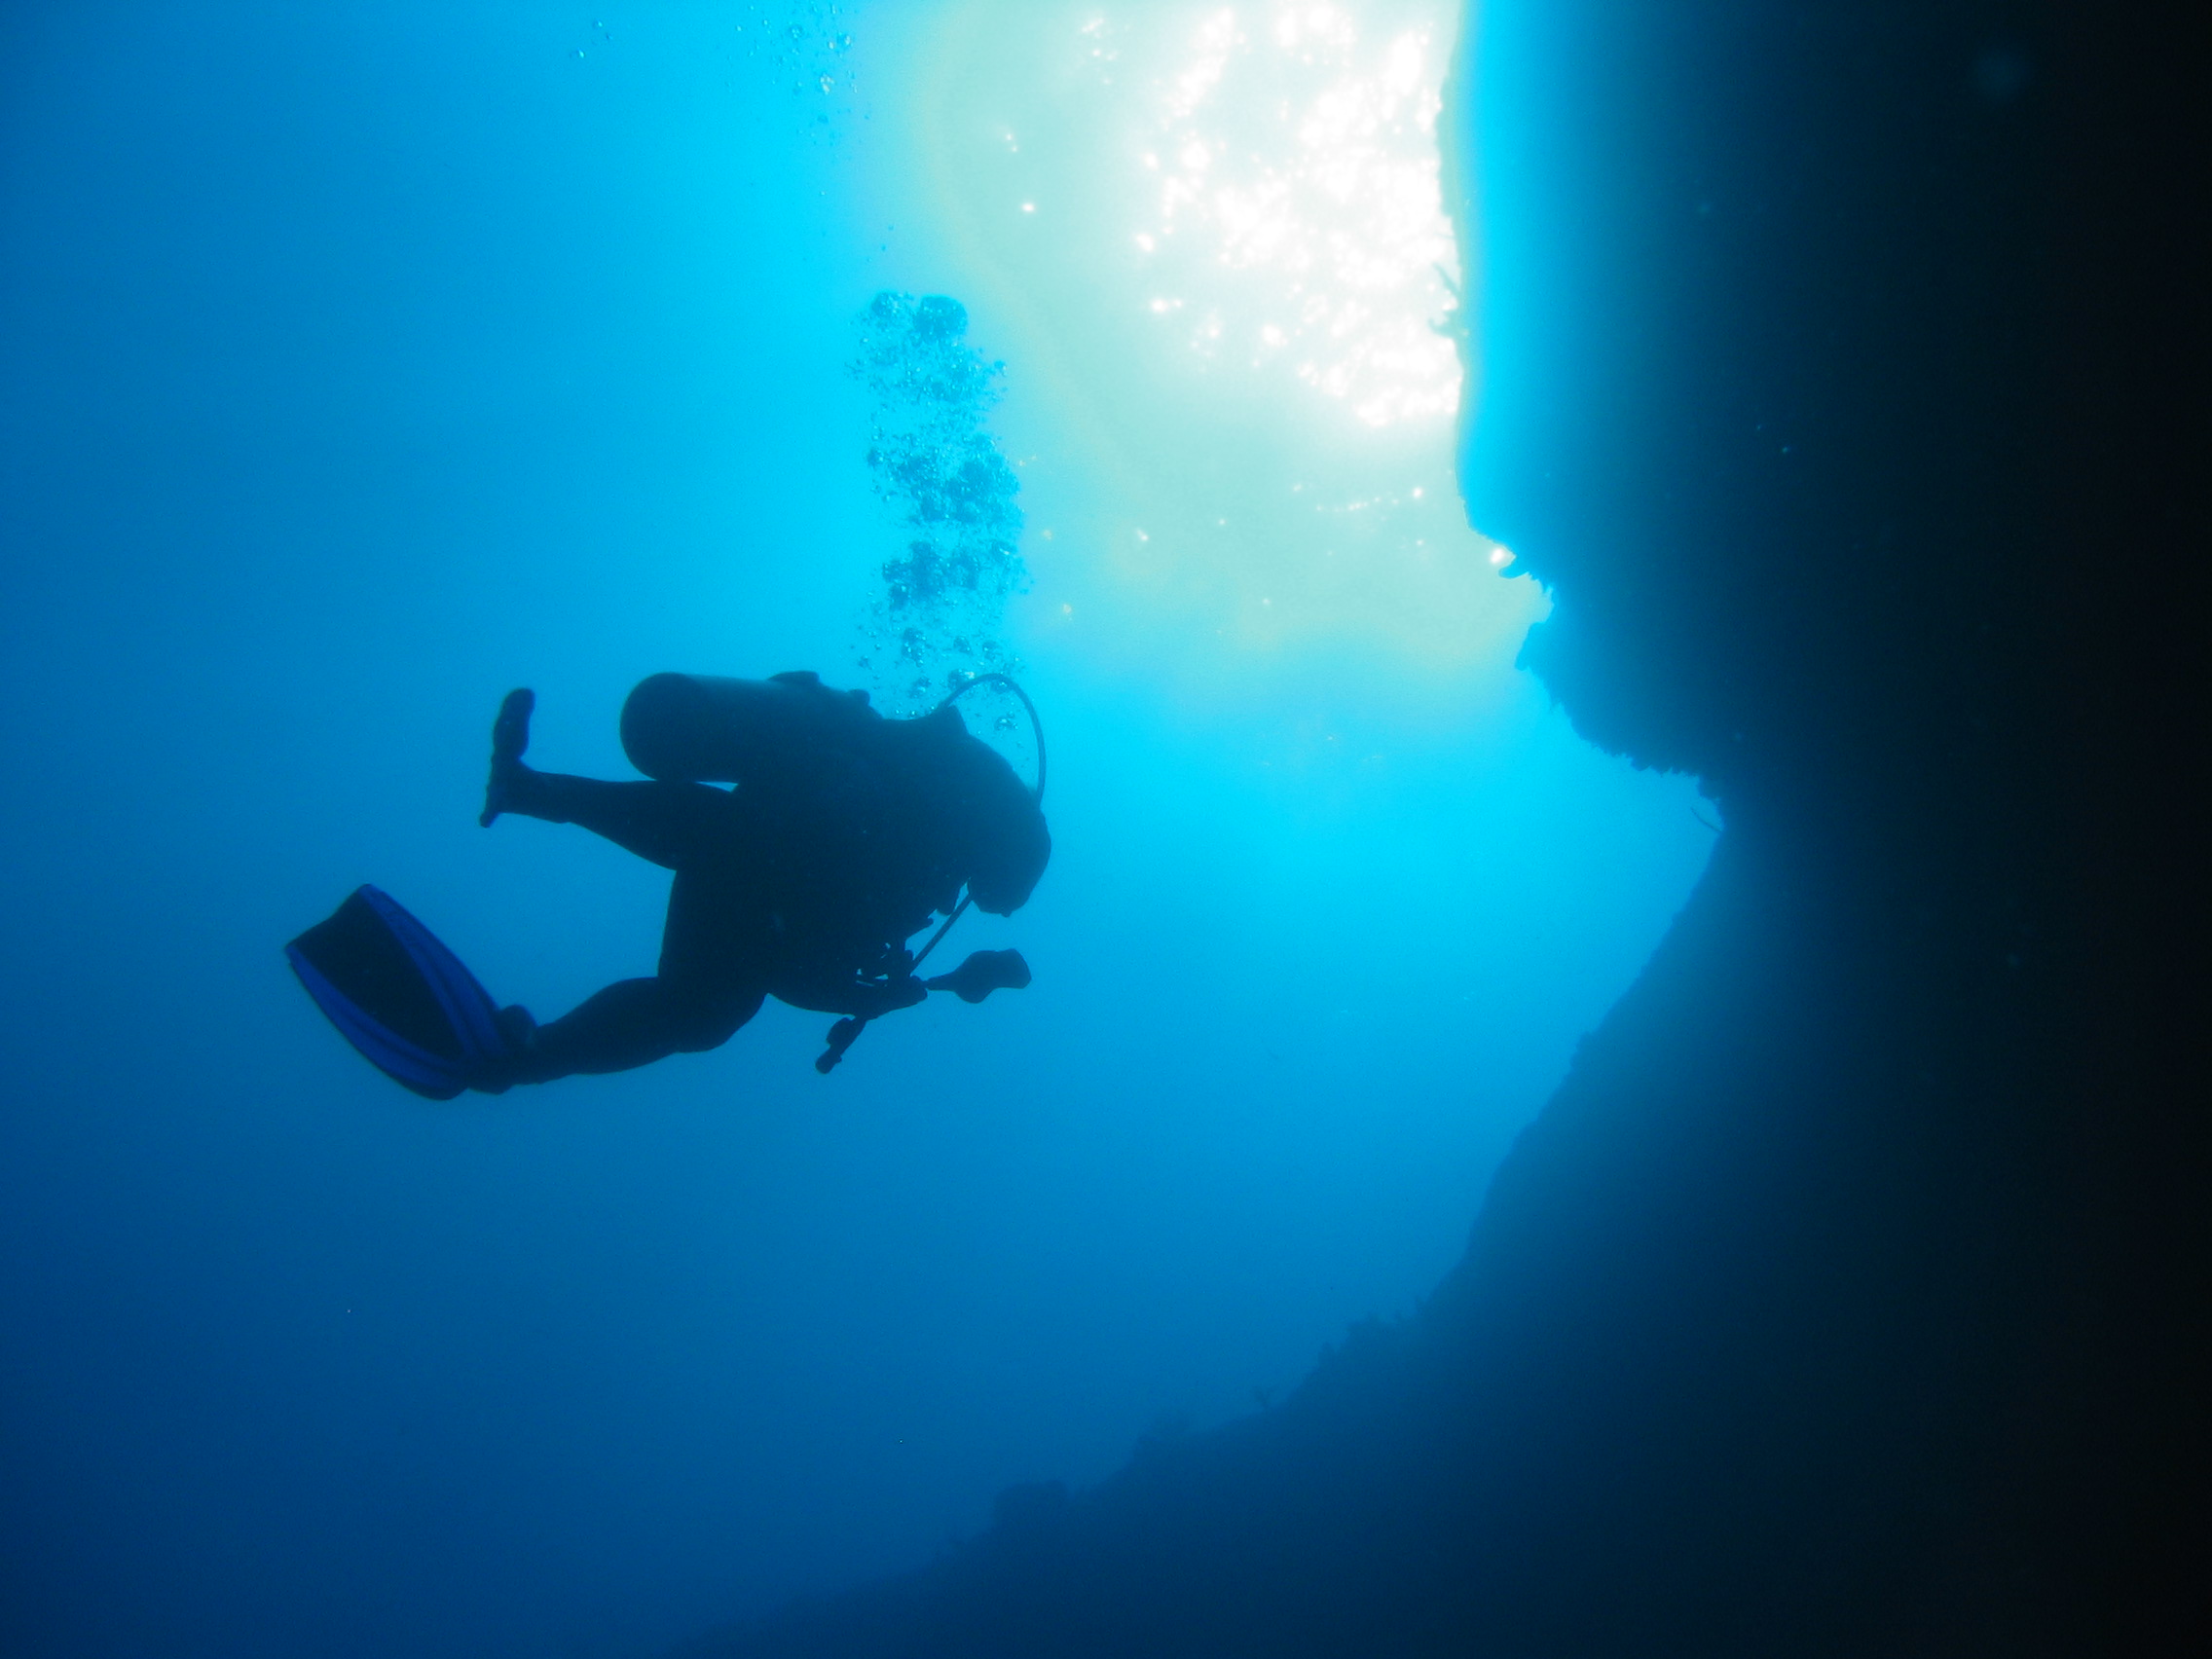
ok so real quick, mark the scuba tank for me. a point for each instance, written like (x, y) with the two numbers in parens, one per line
(700, 729)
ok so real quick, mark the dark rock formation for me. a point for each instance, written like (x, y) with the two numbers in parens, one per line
(1845, 378)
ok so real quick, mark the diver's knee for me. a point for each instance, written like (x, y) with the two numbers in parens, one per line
(659, 714)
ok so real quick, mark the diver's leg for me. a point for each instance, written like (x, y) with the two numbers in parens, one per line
(663, 824)
(668, 825)
(631, 1024)
(712, 981)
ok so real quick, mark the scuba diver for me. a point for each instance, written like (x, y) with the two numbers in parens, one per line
(843, 834)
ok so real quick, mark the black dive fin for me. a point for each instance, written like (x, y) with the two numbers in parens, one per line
(399, 996)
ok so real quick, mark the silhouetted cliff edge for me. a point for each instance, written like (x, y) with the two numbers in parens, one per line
(1844, 375)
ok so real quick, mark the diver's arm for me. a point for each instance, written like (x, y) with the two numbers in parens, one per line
(872, 999)
(863, 999)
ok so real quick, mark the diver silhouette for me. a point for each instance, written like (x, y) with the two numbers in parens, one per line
(843, 834)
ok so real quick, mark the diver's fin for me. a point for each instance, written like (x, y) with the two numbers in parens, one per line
(985, 972)
(510, 741)
(401, 997)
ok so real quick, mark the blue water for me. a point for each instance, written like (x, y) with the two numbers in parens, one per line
(357, 366)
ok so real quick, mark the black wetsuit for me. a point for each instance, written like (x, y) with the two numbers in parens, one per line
(845, 831)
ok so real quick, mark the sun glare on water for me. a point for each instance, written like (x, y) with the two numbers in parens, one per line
(1216, 242)
(1299, 214)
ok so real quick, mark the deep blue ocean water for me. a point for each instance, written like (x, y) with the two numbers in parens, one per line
(357, 364)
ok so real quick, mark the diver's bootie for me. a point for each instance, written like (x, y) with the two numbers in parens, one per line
(496, 1074)
(510, 740)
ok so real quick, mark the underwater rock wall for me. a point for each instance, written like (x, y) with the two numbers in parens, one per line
(1845, 380)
